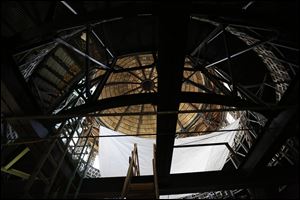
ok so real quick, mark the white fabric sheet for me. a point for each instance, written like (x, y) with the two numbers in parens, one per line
(114, 153)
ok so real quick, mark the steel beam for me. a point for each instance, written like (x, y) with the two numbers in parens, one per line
(198, 85)
(248, 94)
(171, 55)
(234, 101)
(249, 48)
(179, 184)
(69, 7)
(100, 86)
(218, 84)
(143, 98)
(229, 62)
(112, 102)
(87, 62)
(265, 18)
(284, 46)
(275, 132)
(201, 182)
(81, 53)
(100, 41)
(214, 34)
(121, 70)
(274, 136)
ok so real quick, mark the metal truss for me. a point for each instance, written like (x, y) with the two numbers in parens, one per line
(79, 102)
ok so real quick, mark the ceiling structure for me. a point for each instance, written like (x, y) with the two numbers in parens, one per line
(153, 73)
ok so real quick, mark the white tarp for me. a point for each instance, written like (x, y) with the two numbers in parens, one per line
(114, 152)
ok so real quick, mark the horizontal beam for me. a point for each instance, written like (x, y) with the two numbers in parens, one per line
(201, 181)
(36, 140)
(132, 68)
(202, 145)
(179, 184)
(88, 109)
(205, 98)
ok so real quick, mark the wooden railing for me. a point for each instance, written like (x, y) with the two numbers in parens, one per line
(133, 170)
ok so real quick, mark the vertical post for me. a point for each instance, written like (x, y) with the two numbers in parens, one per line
(234, 157)
(78, 165)
(227, 49)
(129, 174)
(87, 62)
(48, 188)
(85, 170)
(137, 159)
(155, 173)
(173, 18)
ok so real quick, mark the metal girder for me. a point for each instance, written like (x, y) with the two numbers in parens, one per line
(152, 98)
(122, 70)
(215, 33)
(275, 134)
(13, 80)
(171, 55)
(231, 12)
(198, 85)
(245, 92)
(229, 62)
(68, 92)
(284, 46)
(100, 87)
(112, 102)
(201, 182)
(100, 41)
(218, 180)
(221, 86)
(276, 131)
(210, 76)
(35, 45)
(87, 62)
(249, 48)
(81, 53)
(179, 184)
(69, 7)
(234, 101)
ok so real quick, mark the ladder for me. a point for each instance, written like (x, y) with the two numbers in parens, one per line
(132, 190)
(52, 184)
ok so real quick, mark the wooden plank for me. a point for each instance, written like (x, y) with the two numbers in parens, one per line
(155, 172)
(128, 178)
